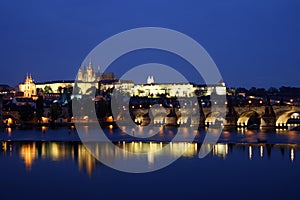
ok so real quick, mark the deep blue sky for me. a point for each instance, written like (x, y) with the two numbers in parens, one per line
(254, 43)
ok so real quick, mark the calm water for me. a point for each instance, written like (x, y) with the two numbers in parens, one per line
(238, 167)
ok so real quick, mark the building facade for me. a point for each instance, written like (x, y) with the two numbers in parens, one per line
(88, 74)
(28, 87)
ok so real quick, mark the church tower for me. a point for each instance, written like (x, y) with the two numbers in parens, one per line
(150, 80)
(80, 74)
(90, 72)
(28, 87)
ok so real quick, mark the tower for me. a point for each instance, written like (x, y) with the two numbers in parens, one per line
(80, 74)
(28, 87)
(150, 80)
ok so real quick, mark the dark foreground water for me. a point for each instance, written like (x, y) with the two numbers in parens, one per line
(45, 169)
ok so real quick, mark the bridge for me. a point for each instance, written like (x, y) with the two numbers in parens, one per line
(266, 116)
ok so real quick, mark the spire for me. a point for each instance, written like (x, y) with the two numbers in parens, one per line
(90, 63)
(98, 68)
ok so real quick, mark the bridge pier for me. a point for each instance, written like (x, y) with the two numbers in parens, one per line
(201, 118)
(230, 119)
(268, 119)
(171, 118)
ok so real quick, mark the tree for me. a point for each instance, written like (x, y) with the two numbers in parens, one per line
(26, 112)
(39, 108)
(60, 89)
(54, 111)
(252, 91)
(272, 91)
(48, 89)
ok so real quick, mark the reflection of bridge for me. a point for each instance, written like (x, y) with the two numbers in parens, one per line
(250, 116)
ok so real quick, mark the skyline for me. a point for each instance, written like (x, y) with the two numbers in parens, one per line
(253, 44)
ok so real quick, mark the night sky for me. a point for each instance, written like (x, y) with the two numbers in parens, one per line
(253, 43)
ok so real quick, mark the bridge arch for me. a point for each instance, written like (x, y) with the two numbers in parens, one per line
(213, 117)
(184, 119)
(284, 118)
(249, 118)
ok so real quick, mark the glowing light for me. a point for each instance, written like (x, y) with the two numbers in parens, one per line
(44, 128)
(9, 121)
(110, 119)
(4, 146)
(220, 150)
(250, 152)
(9, 130)
(28, 153)
(292, 154)
(110, 126)
(46, 119)
(86, 117)
(261, 151)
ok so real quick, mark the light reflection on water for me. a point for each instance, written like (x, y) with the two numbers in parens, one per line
(31, 152)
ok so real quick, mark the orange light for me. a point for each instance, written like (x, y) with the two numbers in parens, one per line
(9, 121)
(110, 119)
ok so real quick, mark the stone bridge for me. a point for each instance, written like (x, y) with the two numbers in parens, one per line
(261, 116)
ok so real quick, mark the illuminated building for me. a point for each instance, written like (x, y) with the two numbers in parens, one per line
(28, 87)
(88, 73)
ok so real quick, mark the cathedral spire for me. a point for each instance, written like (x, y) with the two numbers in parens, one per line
(90, 63)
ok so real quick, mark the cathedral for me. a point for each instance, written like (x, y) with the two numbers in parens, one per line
(88, 73)
(28, 87)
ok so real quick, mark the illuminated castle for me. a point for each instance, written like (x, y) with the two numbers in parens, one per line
(88, 73)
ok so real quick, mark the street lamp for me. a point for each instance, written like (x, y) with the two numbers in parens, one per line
(249, 102)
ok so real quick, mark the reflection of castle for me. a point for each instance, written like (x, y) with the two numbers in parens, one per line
(88, 73)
